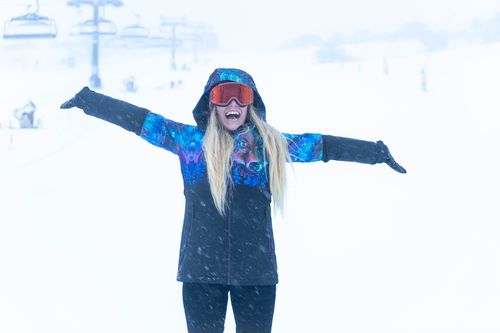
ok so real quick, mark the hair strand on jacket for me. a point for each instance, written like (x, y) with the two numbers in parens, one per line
(218, 145)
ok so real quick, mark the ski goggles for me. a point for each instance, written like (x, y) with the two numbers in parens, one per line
(222, 94)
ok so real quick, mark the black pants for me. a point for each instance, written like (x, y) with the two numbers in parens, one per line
(205, 307)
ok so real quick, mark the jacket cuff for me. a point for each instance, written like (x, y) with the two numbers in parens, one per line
(351, 150)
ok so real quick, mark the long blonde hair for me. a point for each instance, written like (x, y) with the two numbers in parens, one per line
(218, 145)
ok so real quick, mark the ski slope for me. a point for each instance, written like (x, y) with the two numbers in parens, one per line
(90, 215)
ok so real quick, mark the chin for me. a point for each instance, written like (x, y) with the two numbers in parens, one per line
(232, 127)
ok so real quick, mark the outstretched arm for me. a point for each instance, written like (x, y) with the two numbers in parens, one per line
(123, 114)
(311, 147)
(353, 150)
(154, 128)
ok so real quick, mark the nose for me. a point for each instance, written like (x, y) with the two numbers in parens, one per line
(233, 103)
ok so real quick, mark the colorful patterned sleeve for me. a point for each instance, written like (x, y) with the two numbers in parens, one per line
(307, 147)
(165, 133)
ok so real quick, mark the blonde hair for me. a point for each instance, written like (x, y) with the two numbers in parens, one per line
(218, 145)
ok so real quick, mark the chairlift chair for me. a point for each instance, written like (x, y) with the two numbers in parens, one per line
(135, 31)
(103, 27)
(29, 26)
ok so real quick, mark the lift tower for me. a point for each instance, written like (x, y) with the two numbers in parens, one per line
(95, 80)
(174, 40)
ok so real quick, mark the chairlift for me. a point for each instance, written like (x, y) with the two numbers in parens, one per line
(103, 27)
(30, 25)
(78, 3)
(135, 31)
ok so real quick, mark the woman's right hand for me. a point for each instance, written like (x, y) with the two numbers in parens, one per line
(68, 104)
(115, 111)
(77, 101)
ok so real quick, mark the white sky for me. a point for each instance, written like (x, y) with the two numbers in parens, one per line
(267, 23)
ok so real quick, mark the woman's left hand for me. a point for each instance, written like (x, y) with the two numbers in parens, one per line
(388, 159)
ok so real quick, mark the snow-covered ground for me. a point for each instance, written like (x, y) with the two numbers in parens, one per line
(90, 215)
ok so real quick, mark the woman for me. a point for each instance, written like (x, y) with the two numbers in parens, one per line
(232, 163)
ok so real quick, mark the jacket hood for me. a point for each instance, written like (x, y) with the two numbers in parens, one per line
(201, 111)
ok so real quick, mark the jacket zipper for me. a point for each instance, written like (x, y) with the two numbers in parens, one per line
(229, 221)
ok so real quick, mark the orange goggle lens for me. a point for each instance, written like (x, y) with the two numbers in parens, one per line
(222, 94)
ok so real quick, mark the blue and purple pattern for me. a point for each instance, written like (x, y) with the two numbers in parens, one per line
(229, 74)
(183, 140)
(307, 147)
(249, 164)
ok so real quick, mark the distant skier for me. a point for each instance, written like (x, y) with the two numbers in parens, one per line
(129, 84)
(26, 115)
(233, 163)
(423, 79)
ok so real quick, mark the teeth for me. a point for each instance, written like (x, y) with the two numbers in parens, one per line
(233, 115)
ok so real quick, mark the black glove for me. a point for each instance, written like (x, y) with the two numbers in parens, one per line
(79, 100)
(353, 150)
(123, 114)
(69, 103)
(386, 157)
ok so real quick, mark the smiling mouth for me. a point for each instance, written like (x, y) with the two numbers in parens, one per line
(233, 115)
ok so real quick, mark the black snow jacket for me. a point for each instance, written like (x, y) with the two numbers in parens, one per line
(237, 248)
